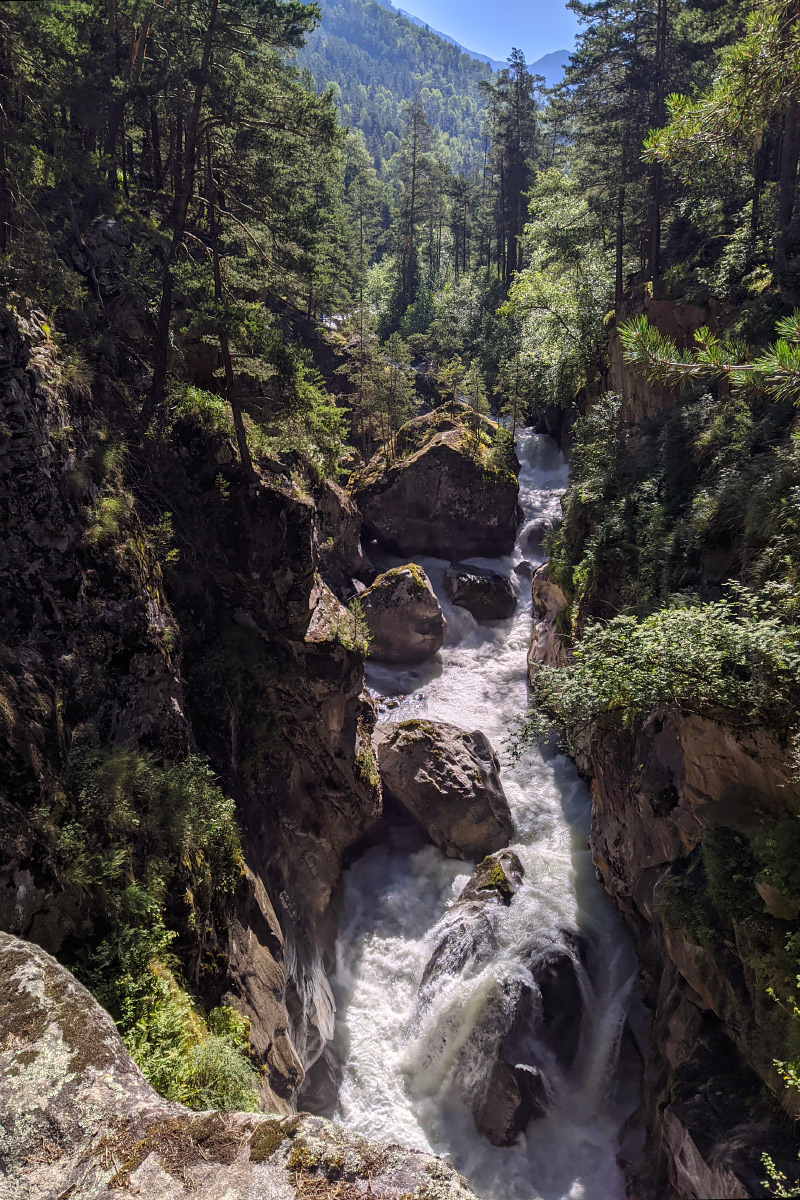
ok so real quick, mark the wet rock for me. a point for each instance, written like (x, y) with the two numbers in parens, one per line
(495, 880)
(537, 530)
(514, 1096)
(488, 595)
(320, 1091)
(405, 619)
(339, 551)
(549, 602)
(438, 496)
(448, 781)
(467, 932)
(80, 1120)
(524, 569)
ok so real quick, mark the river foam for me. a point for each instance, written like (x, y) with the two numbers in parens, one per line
(409, 1064)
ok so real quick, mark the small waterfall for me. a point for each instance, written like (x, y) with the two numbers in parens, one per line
(429, 991)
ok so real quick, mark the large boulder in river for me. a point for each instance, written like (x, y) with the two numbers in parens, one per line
(448, 492)
(526, 1025)
(488, 595)
(405, 620)
(80, 1120)
(448, 781)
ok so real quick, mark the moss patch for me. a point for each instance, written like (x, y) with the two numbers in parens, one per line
(269, 1135)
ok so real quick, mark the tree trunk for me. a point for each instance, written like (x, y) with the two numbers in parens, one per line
(6, 206)
(224, 344)
(658, 171)
(618, 285)
(188, 166)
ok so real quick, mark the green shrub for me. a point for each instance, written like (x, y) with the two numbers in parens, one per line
(730, 870)
(188, 1059)
(150, 852)
(682, 903)
(740, 660)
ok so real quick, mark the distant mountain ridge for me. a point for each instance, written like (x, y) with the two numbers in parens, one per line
(551, 65)
(377, 58)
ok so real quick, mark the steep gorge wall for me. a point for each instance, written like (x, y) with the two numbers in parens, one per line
(239, 650)
(669, 792)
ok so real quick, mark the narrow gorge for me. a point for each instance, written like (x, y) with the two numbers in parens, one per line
(399, 604)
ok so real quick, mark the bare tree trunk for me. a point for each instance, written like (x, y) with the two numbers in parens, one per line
(618, 285)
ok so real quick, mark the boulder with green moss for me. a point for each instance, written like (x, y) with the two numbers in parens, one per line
(79, 1119)
(448, 780)
(405, 620)
(451, 490)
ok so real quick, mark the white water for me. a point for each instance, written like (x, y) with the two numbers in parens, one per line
(410, 1062)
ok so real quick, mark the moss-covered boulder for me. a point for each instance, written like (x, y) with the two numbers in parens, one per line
(451, 490)
(80, 1120)
(448, 780)
(405, 620)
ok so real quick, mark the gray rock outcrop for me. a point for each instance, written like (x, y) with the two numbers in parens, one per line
(439, 495)
(448, 780)
(81, 1121)
(405, 620)
(488, 595)
(549, 602)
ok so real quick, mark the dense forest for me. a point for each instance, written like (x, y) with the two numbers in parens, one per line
(240, 251)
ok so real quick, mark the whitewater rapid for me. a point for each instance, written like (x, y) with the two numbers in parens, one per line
(404, 1061)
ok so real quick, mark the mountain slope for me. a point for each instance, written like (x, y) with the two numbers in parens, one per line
(377, 59)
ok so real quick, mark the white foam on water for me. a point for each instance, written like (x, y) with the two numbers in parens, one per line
(411, 1064)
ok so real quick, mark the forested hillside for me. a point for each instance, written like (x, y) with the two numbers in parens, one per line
(379, 61)
(234, 335)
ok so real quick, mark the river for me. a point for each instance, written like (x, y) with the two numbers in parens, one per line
(404, 1061)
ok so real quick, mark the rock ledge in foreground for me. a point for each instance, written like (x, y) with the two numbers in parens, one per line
(81, 1121)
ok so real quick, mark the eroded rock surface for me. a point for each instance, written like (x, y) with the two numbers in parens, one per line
(405, 620)
(440, 495)
(80, 1120)
(488, 595)
(712, 1095)
(549, 602)
(527, 1031)
(448, 781)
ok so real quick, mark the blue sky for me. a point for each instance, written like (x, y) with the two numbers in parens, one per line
(493, 26)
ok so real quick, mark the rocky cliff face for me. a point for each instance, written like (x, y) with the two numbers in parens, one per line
(663, 794)
(683, 806)
(239, 650)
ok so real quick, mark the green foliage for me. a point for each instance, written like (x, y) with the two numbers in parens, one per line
(562, 294)
(376, 60)
(756, 77)
(366, 768)
(150, 851)
(775, 372)
(352, 631)
(740, 660)
(201, 1063)
(682, 903)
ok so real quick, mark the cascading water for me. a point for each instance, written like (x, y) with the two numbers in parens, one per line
(415, 1057)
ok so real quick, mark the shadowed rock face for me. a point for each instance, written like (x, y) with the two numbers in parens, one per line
(448, 781)
(436, 497)
(527, 1033)
(405, 619)
(488, 595)
(711, 1093)
(99, 1126)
